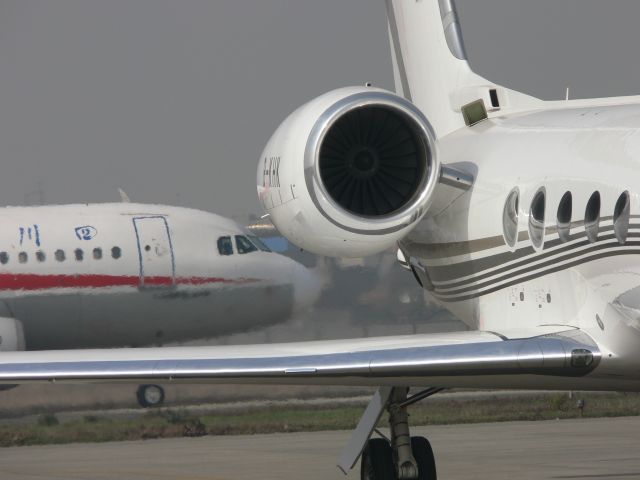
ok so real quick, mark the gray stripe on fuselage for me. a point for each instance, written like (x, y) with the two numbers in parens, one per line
(553, 261)
(444, 276)
(454, 271)
(631, 251)
(447, 274)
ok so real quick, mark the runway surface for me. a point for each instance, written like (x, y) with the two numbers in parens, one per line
(605, 448)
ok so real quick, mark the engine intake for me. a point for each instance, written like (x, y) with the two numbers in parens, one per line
(373, 160)
(350, 172)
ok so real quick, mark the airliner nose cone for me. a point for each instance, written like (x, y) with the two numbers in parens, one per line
(307, 286)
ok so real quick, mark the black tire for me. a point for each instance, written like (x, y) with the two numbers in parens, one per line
(150, 396)
(423, 453)
(377, 461)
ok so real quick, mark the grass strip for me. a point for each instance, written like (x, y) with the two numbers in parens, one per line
(166, 423)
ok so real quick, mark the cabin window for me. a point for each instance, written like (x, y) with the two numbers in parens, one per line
(79, 254)
(510, 217)
(536, 218)
(4, 258)
(225, 246)
(564, 216)
(97, 253)
(60, 256)
(243, 245)
(592, 217)
(621, 217)
(116, 252)
(22, 257)
(40, 256)
(259, 243)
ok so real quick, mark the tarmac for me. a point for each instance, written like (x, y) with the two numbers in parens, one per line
(605, 448)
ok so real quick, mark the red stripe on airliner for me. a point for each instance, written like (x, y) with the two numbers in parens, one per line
(26, 281)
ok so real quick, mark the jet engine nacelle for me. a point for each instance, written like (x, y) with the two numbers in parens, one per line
(349, 173)
(11, 335)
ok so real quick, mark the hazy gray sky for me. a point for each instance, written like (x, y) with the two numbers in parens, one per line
(174, 100)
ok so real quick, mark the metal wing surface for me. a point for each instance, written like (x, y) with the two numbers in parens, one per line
(368, 361)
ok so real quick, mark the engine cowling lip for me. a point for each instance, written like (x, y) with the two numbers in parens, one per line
(380, 225)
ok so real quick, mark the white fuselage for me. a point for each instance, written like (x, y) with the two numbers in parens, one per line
(591, 284)
(79, 276)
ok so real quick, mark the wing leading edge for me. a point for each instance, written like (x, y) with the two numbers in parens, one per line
(359, 361)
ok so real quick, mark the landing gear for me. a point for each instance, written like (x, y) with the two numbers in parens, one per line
(378, 462)
(401, 457)
(423, 453)
(150, 395)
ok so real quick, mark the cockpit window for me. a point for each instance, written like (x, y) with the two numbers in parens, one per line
(224, 246)
(259, 243)
(244, 245)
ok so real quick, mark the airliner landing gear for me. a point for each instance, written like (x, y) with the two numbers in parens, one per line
(150, 395)
(401, 457)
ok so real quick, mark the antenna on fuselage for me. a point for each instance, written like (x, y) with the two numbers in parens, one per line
(124, 198)
(566, 94)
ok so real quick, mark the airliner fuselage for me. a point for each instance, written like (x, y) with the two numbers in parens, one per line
(79, 276)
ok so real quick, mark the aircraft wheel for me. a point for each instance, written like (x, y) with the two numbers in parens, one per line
(377, 461)
(423, 453)
(150, 395)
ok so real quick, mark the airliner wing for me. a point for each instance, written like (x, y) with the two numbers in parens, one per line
(367, 361)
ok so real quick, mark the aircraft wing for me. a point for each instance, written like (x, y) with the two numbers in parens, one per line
(367, 361)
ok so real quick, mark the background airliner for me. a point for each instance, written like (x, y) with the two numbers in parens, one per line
(125, 274)
(518, 215)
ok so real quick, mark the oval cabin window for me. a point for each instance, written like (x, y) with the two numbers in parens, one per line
(510, 218)
(564, 216)
(592, 217)
(621, 217)
(536, 219)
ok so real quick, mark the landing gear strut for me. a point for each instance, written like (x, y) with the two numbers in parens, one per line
(400, 457)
